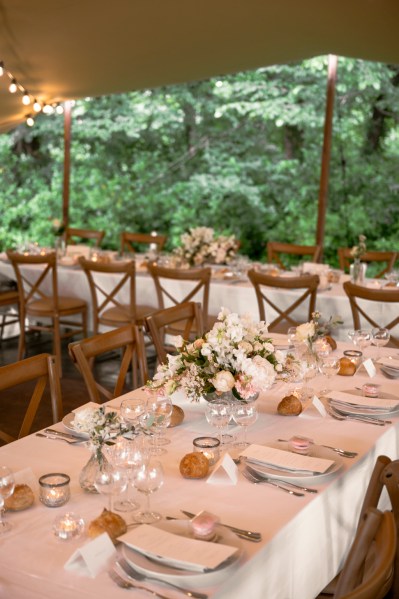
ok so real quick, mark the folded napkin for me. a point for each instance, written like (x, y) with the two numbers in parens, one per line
(176, 550)
(286, 460)
(360, 401)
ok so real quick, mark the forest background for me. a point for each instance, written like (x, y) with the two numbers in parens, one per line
(239, 153)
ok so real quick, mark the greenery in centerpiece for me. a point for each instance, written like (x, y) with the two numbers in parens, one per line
(200, 245)
(236, 355)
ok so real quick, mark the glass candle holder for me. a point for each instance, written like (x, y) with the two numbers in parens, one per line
(354, 355)
(370, 390)
(54, 489)
(209, 446)
(68, 526)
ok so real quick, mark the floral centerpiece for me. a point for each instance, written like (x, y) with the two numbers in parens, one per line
(201, 245)
(359, 250)
(357, 270)
(58, 227)
(236, 355)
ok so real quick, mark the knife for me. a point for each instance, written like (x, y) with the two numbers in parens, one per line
(53, 431)
(238, 531)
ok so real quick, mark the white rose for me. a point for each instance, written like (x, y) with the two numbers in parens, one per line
(246, 347)
(304, 331)
(223, 381)
(177, 341)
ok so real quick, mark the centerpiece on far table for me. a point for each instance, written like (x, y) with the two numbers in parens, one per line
(200, 245)
(236, 356)
(358, 269)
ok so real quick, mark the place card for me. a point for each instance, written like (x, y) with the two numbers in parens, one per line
(92, 557)
(369, 367)
(319, 406)
(177, 550)
(225, 472)
(286, 460)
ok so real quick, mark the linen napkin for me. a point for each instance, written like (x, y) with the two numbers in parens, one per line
(177, 550)
(360, 401)
(286, 460)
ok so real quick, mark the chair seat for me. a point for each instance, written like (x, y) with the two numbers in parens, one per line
(178, 327)
(120, 316)
(8, 298)
(65, 304)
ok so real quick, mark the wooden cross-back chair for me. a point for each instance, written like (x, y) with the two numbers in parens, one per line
(372, 297)
(186, 316)
(114, 296)
(388, 259)
(84, 234)
(39, 299)
(41, 368)
(130, 241)
(194, 286)
(275, 249)
(8, 299)
(285, 317)
(129, 339)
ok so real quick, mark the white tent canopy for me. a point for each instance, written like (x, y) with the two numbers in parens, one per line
(67, 49)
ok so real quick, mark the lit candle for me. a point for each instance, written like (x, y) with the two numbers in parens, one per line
(209, 446)
(54, 489)
(68, 526)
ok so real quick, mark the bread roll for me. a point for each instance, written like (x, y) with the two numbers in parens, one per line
(332, 343)
(289, 406)
(177, 416)
(194, 465)
(21, 499)
(108, 522)
(346, 367)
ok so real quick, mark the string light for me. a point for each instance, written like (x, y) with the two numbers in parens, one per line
(13, 86)
(30, 121)
(37, 106)
(1, 68)
(26, 98)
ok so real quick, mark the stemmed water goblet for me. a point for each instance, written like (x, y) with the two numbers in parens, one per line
(148, 479)
(218, 414)
(157, 416)
(7, 484)
(110, 481)
(329, 366)
(362, 338)
(132, 409)
(128, 455)
(244, 414)
(380, 337)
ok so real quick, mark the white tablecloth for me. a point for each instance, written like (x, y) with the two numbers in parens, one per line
(305, 539)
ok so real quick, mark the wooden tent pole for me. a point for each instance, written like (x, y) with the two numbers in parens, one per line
(67, 162)
(326, 153)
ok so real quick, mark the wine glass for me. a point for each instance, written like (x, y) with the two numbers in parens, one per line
(128, 455)
(148, 479)
(218, 414)
(132, 409)
(362, 338)
(380, 337)
(309, 369)
(109, 481)
(244, 414)
(7, 484)
(158, 414)
(329, 366)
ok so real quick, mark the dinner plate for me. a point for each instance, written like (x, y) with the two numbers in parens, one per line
(390, 371)
(67, 421)
(317, 451)
(362, 410)
(163, 571)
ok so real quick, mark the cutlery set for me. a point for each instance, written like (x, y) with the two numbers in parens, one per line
(337, 415)
(55, 435)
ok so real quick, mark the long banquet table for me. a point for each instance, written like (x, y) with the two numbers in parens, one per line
(237, 295)
(305, 539)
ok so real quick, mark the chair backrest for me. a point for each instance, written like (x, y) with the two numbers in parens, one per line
(345, 258)
(31, 285)
(369, 567)
(195, 284)
(275, 249)
(187, 314)
(104, 290)
(86, 234)
(130, 241)
(8, 299)
(41, 368)
(129, 339)
(285, 315)
(367, 296)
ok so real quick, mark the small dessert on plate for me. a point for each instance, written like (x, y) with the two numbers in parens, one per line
(203, 526)
(299, 444)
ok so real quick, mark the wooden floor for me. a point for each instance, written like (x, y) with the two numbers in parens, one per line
(13, 402)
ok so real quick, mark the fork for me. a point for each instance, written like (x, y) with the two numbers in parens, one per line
(338, 416)
(57, 438)
(342, 452)
(136, 575)
(269, 481)
(125, 584)
(258, 476)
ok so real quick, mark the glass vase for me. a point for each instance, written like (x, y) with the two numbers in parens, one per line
(96, 464)
(357, 272)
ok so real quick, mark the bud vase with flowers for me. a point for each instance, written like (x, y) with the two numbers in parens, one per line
(358, 269)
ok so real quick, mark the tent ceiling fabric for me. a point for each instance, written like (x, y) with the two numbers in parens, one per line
(66, 49)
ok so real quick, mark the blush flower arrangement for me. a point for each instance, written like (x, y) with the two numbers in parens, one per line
(236, 355)
(201, 245)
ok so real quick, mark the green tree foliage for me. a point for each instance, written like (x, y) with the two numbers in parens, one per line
(239, 153)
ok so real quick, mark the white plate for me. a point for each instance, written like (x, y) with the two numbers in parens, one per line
(317, 451)
(185, 577)
(362, 411)
(393, 372)
(67, 422)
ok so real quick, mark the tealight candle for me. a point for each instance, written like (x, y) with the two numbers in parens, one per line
(354, 355)
(209, 446)
(54, 489)
(68, 526)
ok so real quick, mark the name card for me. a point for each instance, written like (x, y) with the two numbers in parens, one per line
(92, 557)
(369, 367)
(319, 406)
(225, 472)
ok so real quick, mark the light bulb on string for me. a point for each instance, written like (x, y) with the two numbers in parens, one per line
(1, 68)
(48, 109)
(13, 86)
(59, 109)
(30, 121)
(26, 98)
(37, 106)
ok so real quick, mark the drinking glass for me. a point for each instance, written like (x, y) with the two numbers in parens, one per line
(218, 414)
(362, 338)
(291, 334)
(7, 484)
(158, 414)
(244, 414)
(329, 367)
(309, 369)
(111, 481)
(132, 409)
(128, 455)
(148, 479)
(380, 337)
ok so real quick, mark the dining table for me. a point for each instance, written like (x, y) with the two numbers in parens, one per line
(227, 289)
(304, 539)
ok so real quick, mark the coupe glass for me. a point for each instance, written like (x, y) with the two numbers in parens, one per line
(148, 479)
(218, 414)
(111, 481)
(132, 409)
(362, 338)
(128, 455)
(157, 416)
(244, 414)
(7, 484)
(380, 337)
(329, 367)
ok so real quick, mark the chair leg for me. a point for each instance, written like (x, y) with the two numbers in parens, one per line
(57, 345)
